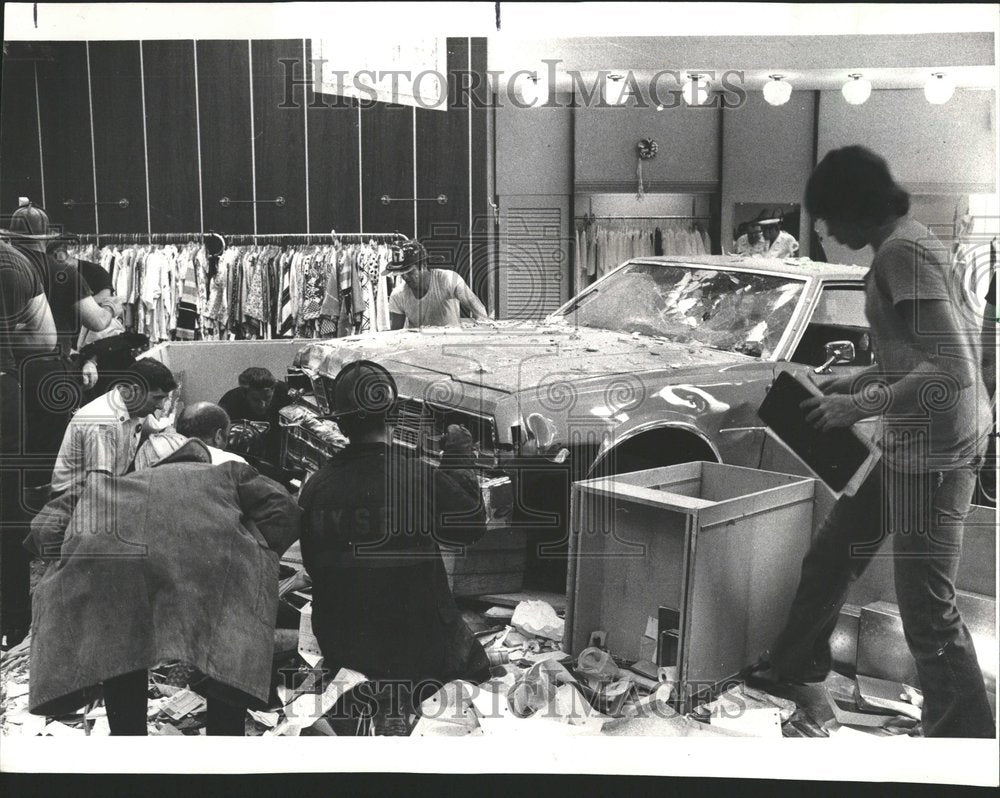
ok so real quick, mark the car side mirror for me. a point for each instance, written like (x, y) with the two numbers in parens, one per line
(837, 352)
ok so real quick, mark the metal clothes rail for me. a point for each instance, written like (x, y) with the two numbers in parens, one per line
(236, 239)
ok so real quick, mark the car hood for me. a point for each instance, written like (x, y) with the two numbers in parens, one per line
(511, 357)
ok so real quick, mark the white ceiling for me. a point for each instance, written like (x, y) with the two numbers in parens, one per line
(891, 61)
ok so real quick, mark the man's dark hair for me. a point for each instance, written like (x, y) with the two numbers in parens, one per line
(150, 374)
(854, 184)
(355, 427)
(256, 378)
(202, 420)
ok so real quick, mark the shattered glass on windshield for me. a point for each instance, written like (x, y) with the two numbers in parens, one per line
(730, 311)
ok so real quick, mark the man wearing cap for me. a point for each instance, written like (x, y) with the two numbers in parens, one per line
(779, 243)
(428, 297)
(373, 518)
(52, 382)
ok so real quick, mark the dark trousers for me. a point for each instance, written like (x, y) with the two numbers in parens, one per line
(925, 514)
(15, 601)
(52, 392)
(126, 702)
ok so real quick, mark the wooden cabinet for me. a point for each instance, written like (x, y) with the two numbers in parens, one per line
(720, 545)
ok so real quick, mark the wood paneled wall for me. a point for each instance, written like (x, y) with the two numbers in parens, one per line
(174, 126)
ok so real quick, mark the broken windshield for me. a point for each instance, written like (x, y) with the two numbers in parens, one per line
(730, 311)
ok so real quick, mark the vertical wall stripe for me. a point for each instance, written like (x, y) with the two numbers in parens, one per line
(93, 154)
(253, 138)
(468, 99)
(361, 180)
(306, 70)
(197, 125)
(415, 233)
(145, 137)
(38, 119)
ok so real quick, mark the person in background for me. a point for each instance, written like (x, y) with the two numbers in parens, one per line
(779, 243)
(428, 297)
(54, 381)
(752, 241)
(210, 424)
(105, 353)
(105, 434)
(936, 419)
(259, 397)
(176, 562)
(373, 518)
(26, 329)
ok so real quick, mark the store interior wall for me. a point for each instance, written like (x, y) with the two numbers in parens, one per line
(938, 152)
(188, 123)
(767, 155)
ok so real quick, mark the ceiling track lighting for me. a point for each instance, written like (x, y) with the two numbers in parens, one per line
(697, 89)
(939, 88)
(777, 90)
(857, 89)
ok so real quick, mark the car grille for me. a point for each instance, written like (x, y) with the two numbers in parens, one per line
(412, 424)
(421, 426)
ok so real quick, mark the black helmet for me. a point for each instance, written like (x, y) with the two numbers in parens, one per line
(29, 219)
(407, 256)
(362, 388)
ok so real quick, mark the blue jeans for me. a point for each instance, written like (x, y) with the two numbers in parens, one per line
(925, 514)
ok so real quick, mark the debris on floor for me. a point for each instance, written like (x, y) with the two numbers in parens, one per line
(535, 689)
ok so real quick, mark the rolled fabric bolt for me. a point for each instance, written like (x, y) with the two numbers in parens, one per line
(498, 656)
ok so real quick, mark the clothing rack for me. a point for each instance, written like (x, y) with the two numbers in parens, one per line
(589, 217)
(237, 239)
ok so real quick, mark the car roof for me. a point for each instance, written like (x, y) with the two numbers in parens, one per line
(793, 267)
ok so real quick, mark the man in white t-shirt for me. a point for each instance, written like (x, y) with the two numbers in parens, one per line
(428, 297)
(209, 423)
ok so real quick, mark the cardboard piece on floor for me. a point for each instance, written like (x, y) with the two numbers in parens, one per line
(429, 727)
(880, 695)
(57, 729)
(269, 719)
(451, 704)
(25, 724)
(849, 715)
(499, 613)
(763, 722)
(184, 702)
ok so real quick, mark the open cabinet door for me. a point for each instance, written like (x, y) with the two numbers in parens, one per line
(535, 255)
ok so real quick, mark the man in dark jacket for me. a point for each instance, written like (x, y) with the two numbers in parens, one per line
(259, 397)
(174, 563)
(373, 517)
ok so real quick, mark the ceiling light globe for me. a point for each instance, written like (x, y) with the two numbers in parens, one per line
(696, 90)
(857, 90)
(939, 89)
(777, 91)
